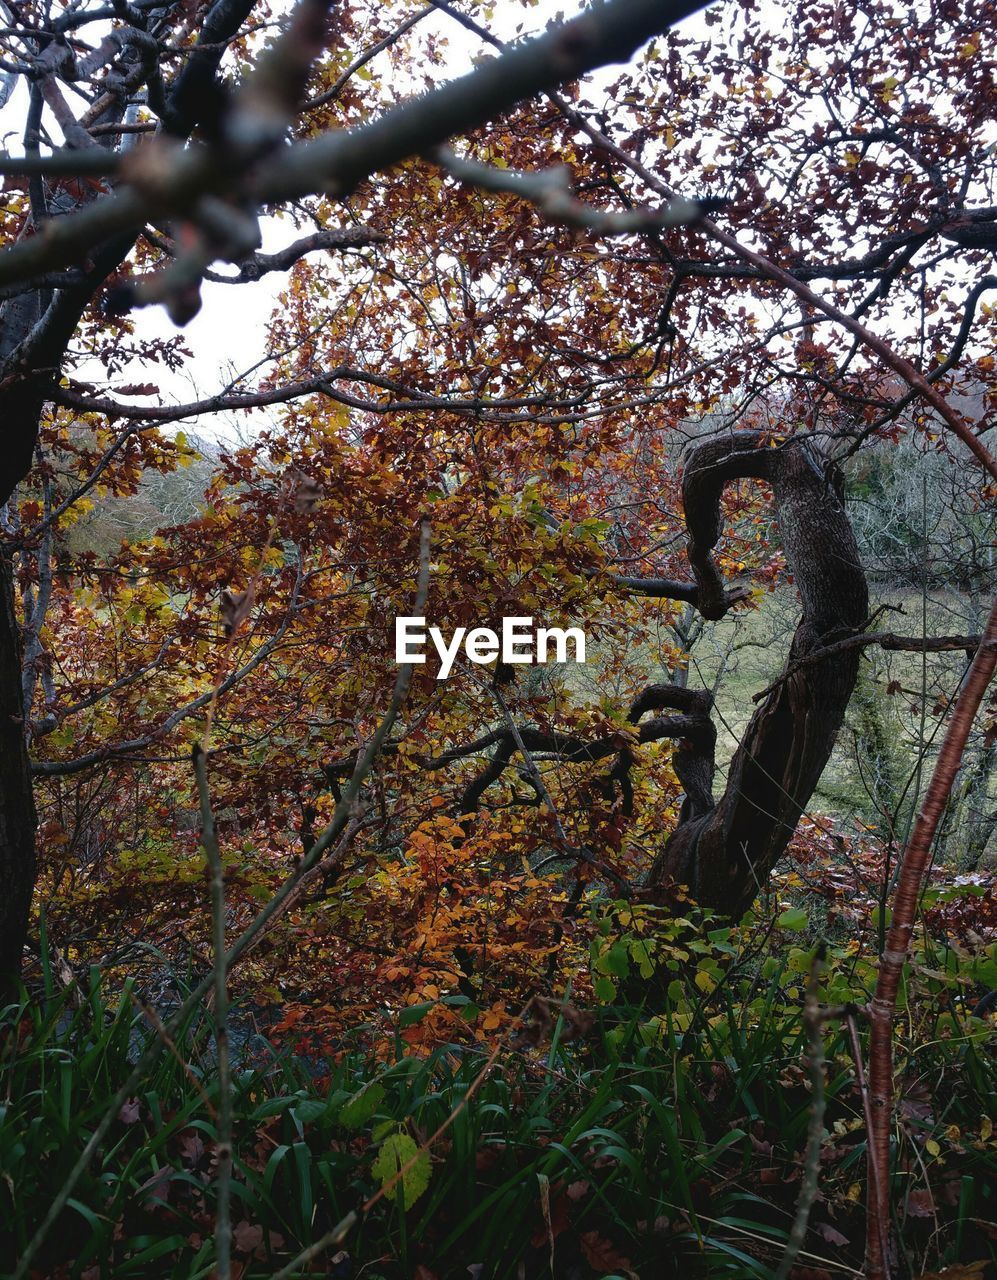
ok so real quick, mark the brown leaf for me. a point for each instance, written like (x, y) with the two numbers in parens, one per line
(192, 1148)
(830, 1234)
(157, 1188)
(234, 609)
(921, 1204)
(915, 1102)
(485, 1158)
(138, 389)
(544, 1182)
(577, 1022)
(131, 1111)
(246, 1236)
(602, 1255)
(307, 492)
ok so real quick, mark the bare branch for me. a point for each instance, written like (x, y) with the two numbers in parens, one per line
(550, 191)
(170, 182)
(885, 640)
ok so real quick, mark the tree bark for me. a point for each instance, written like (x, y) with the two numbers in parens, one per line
(17, 809)
(726, 853)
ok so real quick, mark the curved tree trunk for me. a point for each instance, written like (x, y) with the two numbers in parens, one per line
(725, 853)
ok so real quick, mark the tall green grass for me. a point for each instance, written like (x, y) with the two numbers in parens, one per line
(664, 1146)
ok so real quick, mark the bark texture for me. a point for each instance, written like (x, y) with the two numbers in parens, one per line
(17, 810)
(725, 850)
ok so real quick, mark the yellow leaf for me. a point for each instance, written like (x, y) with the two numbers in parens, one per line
(888, 91)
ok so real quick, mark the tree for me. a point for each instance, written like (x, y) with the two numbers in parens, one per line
(90, 231)
(585, 350)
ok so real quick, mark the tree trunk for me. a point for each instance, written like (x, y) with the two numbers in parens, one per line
(726, 854)
(17, 809)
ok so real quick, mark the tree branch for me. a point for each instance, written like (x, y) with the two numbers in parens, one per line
(170, 182)
(885, 640)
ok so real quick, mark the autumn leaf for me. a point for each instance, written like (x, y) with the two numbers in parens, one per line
(130, 1111)
(398, 1152)
(921, 1204)
(247, 1236)
(602, 1255)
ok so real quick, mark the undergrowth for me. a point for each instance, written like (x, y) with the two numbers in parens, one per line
(655, 1145)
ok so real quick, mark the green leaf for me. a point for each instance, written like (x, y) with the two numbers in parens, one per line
(396, 1152)
(605, 989)
(360, 1108)
(306, 1112)
(414, 1013)
(795, 918)
(615, 961)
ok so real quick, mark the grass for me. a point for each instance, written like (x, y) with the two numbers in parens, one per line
(662, 1144)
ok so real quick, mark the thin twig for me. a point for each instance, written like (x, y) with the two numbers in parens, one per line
(223, 1147)
(871, 1161)
(813, 1020)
